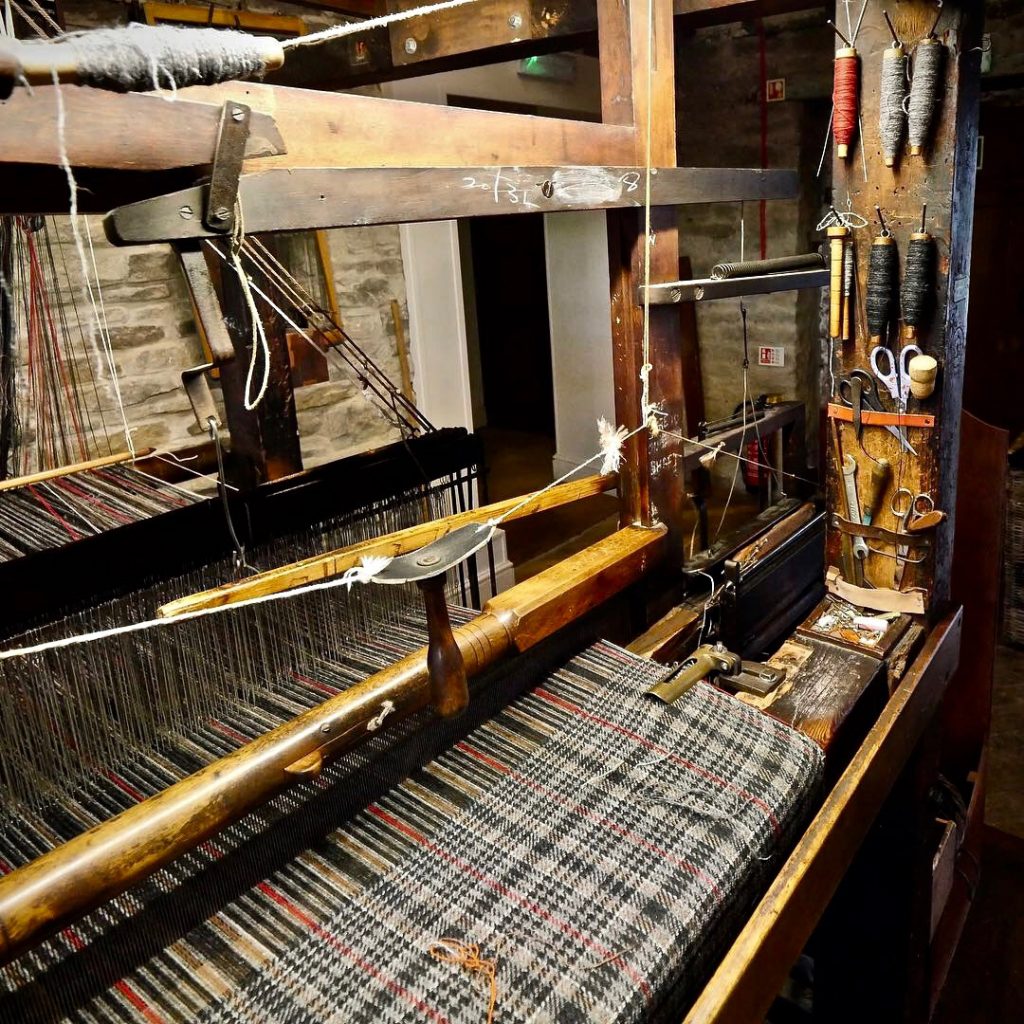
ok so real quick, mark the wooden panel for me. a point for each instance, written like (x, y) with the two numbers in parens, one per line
(753, 970)
(977, 574)
(344, 130)
(944, 179)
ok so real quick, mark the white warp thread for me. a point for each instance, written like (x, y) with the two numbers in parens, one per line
(371, 566)
(355, 27)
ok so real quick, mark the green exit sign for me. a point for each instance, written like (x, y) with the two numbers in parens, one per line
(554, 67)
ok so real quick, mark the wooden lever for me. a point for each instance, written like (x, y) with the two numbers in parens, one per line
(449, 686)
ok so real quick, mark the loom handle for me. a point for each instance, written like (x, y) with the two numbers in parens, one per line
(449, 686)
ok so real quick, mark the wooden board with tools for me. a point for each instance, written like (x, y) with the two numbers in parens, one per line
(899, 260)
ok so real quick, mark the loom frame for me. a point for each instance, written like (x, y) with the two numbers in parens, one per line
(366, 132)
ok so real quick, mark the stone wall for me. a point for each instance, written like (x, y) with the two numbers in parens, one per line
(153, 334)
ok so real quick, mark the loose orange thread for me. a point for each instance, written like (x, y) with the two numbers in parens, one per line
(467, 955)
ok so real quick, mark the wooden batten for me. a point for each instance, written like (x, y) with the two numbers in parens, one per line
(333, 563)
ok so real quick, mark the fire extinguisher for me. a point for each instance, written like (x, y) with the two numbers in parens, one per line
(755, 469)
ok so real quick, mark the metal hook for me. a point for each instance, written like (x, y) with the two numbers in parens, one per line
(895, 38)
(924, 210)
(881, 220)
(838, 32)
(935, 23)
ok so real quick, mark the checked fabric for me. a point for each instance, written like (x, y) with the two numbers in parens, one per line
(610, 849)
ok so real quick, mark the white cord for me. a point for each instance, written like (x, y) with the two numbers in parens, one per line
(355, 27)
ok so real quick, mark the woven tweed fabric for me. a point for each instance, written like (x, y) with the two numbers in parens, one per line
(599, 873)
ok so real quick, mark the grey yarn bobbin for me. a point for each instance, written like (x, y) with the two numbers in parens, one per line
(892, 115)
(925, 92)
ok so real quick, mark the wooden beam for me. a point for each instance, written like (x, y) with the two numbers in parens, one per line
(638, 88)
(345, 130)
(129, 131)
(756, 965)
(333, 563)
(333, 197)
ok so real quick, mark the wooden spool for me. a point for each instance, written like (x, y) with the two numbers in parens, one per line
(837, 240)
(847, 53)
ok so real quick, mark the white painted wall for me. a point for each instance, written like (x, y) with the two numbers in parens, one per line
(579, 310)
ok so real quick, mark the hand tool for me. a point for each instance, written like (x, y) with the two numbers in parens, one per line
(893, 373)
(881, 474)
(858, 390)
(917, 507)
(860, 545)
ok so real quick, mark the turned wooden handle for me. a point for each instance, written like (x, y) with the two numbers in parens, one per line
(449, 686)
(837, 236)
(881, 474)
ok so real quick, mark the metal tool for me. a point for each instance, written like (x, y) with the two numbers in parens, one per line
(857, 391)
(755, 677)
(860, 545)
(893, 373)
(706, 660)
(917, 506)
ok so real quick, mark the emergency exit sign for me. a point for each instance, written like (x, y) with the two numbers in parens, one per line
(770, 355)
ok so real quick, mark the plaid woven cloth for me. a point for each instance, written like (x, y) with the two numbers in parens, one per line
(611, 847)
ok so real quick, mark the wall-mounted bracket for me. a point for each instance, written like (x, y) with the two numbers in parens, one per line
(702, 289)
(228, 154)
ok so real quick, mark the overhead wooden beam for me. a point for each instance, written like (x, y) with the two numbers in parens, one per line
(129, 131)
(342, 197)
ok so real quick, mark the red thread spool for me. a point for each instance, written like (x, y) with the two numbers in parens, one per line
(844, 99)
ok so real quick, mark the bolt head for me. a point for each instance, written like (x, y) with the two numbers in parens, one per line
(410, 45)
(237, 113)
(221, 213)
(515, 21)
(186, 213)
(428, 560)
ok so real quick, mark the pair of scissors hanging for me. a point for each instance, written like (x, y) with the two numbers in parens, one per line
(858, 391)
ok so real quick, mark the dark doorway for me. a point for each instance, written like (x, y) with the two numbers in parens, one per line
(510, 276)
(995, 318)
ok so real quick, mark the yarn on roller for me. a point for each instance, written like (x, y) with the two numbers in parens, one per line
(844, 99)
(918, 282)
(882, 272)
(892, 115)
(925, 94)
(144, 57)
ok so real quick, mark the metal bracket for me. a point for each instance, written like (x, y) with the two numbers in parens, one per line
(671, 292)
(228, 154)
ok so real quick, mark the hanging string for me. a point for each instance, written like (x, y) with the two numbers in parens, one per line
(340, 31)
(259, 343)
(892, 115)
(925, 92)
(646, 410)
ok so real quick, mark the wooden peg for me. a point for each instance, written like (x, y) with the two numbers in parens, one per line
(922, 370)
(449, 687)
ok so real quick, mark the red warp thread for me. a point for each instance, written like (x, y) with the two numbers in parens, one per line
(844, 99)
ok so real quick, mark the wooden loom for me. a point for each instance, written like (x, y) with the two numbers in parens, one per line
(364, 147)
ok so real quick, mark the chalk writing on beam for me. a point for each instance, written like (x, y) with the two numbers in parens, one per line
(568, 186)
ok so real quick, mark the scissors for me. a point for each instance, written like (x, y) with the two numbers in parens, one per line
(917, 506)
(894, 375)
(857, 391)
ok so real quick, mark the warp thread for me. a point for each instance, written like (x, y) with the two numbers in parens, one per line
(844, 99)
(892, 114)
(925, 95)
(918, 280)
(882, 272)
(467, 955)
(143, 57)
